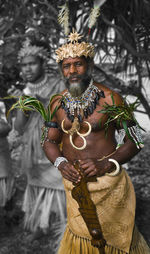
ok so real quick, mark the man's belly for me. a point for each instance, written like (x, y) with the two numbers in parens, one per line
(93, 150)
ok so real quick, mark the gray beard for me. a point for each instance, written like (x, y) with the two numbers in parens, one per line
(77, 89)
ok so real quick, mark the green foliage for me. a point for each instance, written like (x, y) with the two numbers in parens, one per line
(28, 103)
(122, 114)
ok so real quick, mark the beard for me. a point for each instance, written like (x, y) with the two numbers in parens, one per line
(76, 89)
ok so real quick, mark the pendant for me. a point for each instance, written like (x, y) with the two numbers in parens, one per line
(75, 130)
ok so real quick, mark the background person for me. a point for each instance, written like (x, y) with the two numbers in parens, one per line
(6, 174)
(44, 199)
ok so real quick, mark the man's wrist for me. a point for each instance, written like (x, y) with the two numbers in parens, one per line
(59, 160)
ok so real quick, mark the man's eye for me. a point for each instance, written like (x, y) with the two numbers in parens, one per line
(78, 64)
(23, 65)
(32, 63)
(66, 66)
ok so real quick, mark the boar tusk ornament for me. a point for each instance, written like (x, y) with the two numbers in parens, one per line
(75, 129)
(78, 148)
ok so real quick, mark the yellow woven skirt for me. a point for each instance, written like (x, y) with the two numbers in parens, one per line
(72, 244)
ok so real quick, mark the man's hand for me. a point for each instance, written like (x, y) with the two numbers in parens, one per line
(4, 128)
(69, 172)
(13, 91)
(92, 167)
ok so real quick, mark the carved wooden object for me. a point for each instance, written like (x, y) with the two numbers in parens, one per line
(88, 209)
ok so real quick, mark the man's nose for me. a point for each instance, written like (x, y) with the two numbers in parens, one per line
(28, 67)
(73, 68)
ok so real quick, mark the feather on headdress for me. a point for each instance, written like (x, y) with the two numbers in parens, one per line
(63, 17)
(95, 12)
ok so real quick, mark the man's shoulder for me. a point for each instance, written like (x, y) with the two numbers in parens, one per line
(56, 98)
(110, 94)
(61, 93)
(107, 91)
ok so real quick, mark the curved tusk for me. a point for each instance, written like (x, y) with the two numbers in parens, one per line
(116, 171)
(78, 148)
(87, 133)
(62, 126)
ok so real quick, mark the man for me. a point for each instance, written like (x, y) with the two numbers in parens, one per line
(44, 199)
(87, 153)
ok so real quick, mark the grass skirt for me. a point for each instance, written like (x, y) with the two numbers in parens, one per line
(42, 206)
(114, 198)
(72, 244)
(6, 190)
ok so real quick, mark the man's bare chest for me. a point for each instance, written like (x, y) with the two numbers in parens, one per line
(96, 120)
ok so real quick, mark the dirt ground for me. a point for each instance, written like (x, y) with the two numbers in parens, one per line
(15, 240)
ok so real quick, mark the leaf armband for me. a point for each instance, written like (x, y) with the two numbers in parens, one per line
(45, 129)
(51, 124)
(123, 115)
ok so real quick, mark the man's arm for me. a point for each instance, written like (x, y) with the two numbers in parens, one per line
(122, 155)
(52, 150)
(51, 144)
(4, 128)
(129, 149)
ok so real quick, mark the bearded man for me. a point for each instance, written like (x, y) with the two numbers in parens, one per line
(87, 154)
(44, 199)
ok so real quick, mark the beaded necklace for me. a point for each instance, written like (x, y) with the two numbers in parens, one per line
(37, 89)
(84, 105)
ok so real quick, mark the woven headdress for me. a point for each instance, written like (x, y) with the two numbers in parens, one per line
(74, 48)
(32, 50)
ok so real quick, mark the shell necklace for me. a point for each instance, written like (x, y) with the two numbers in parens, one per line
(37, 89)
(84, 105)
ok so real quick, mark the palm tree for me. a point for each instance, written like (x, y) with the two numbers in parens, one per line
(122, 41)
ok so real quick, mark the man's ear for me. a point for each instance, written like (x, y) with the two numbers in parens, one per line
(92, 64)
(60, 69)
(44, 65)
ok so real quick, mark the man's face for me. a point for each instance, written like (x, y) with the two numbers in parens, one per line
(32, 68)
(77, 74)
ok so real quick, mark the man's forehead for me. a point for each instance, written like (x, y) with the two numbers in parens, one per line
(28, 59)
(72, 60)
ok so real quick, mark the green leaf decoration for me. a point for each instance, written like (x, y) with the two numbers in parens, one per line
(49, 113)
(28, 103)
(122, 114)
(112, 97)
(100, 122)
(124, 123)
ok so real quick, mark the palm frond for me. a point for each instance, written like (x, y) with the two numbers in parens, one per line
(121, 113)
(28, 103)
